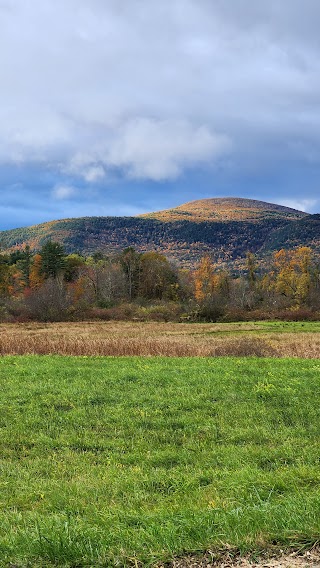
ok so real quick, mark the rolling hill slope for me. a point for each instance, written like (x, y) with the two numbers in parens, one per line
(225, 228)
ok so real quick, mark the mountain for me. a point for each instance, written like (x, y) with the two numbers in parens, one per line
(226, 209)
(226, 228)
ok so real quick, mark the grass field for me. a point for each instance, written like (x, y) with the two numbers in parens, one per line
(114, 461)
(271, 339)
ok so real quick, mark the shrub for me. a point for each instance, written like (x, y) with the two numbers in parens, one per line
(300, 314)
(51, 302)
(123, 312)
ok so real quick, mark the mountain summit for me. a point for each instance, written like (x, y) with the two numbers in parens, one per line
(226, 209)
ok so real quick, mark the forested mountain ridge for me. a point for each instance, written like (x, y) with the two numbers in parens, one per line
(226, 228)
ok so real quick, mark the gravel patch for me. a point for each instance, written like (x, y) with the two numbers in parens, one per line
(310, 559)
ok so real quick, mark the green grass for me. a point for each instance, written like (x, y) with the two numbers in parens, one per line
(262, 326)
(114, 461)
(289, 326)
(270, 326)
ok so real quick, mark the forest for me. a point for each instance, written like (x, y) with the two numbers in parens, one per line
(51, 285)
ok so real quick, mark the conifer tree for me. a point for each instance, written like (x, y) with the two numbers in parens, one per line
(53, 259)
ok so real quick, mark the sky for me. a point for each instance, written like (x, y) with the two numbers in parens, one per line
(120, 107)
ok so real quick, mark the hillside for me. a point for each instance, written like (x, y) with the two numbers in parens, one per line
(305, 232)
(225, 228)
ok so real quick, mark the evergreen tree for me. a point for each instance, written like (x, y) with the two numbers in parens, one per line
(53, 259)
(24, 265)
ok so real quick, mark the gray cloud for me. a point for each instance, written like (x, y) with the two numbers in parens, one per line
(153, 88)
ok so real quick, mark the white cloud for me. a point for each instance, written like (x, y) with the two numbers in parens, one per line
(160, 150)
(63, 192)
(87, 164)
(94, 173)
(148, 148)
(307, 205)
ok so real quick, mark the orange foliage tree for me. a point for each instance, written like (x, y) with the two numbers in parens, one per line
(36, 277)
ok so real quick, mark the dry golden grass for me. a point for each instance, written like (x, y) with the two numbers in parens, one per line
(150, 339)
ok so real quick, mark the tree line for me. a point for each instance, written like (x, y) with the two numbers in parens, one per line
(50, 285)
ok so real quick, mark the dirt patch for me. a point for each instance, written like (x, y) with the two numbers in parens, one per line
(309, 559)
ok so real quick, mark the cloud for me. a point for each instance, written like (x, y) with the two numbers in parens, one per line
(148, 90)
(78, 73)
(94, 173)
(307, 205)
(63, 192)
(148, 148)
(159, 150)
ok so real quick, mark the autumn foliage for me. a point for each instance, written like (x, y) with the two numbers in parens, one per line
(52, 286)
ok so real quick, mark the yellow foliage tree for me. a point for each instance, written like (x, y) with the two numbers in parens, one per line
(293, 273)
(204, 281)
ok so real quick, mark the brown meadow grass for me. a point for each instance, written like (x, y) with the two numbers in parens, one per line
(155, 339)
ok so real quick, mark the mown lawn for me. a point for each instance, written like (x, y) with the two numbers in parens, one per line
(113, 461)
